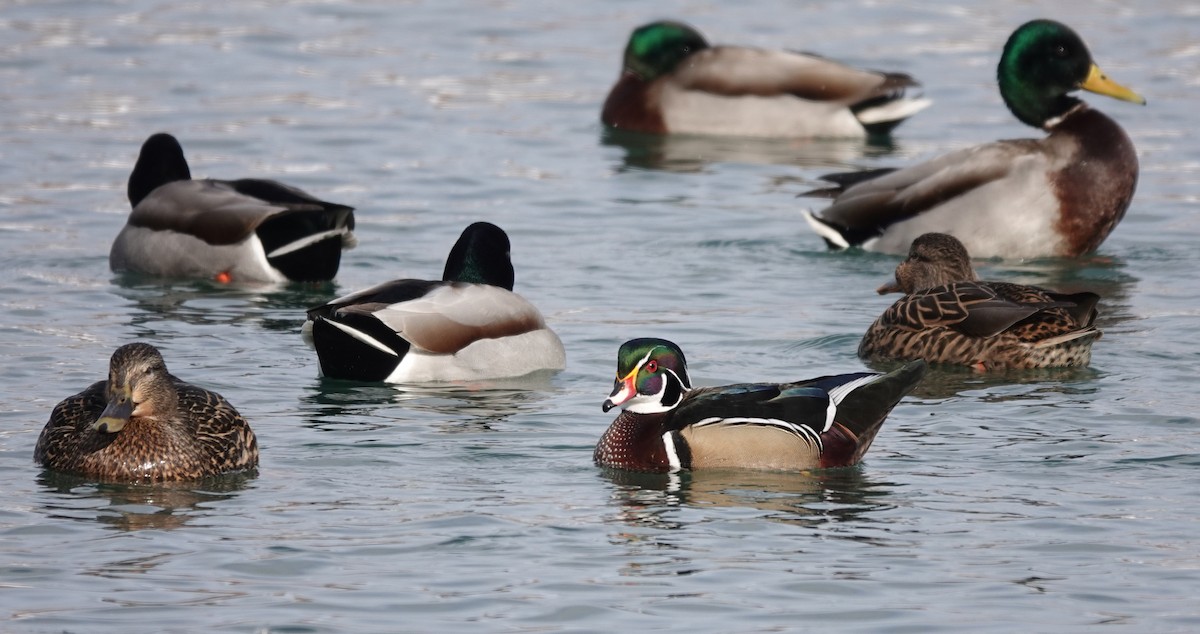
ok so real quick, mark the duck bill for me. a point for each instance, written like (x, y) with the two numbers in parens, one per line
(623, 390)
(890, 286)
(114, 417)
(1100, 84)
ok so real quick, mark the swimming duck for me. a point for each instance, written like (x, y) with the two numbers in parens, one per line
(144, 425)
(668, 425)
(673, 82)
(948, 316)
(468, 326)
(1025, 198)
(247, 230)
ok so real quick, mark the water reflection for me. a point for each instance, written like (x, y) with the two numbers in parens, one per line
(279, 308)
(946, 381)
(683, 153)
(808, 499)
(331, 404)
(132, 507)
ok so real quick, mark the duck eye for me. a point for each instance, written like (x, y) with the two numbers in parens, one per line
(1060, 50)
(652, 366)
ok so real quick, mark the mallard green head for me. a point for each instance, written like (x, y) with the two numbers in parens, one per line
(481, 256)
(1042, 62)
(651, 376)
(657, 48)
(138, 386)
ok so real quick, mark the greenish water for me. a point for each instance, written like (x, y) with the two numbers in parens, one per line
(1052, 501)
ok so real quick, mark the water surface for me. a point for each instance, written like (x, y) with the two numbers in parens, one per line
(1048, 501)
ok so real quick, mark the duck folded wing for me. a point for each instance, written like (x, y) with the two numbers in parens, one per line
(452, 316)
(782, 406)
(972, 309)
(900, 194)
(734, 71)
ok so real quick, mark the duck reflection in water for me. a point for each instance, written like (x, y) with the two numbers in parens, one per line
(466, 406)
(809, 499)
(133, 507)
(689, 154)
(200, 302)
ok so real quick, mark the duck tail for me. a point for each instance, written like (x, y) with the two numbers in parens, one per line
(306, 245)
(861, 412)
(879, 118)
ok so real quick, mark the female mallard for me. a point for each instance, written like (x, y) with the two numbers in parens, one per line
(145, 425)
(948, 316)
(247, 230)
(674, 82)
(468, 326)
(1023, 198)
(667, 425)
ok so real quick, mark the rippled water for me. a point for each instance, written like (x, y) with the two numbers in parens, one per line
(1035, 501)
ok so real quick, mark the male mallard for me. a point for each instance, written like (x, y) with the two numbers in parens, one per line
(1023, 198)
(667, 425)
(247, 230)
(468, 326)
(674, 82)
(145, 425)
(948, 316)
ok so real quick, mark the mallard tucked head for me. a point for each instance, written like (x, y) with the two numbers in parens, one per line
(657, 48)
(934, 259)
(160, 161)
(1042, 62)
(481, 256)
(138, 386)
(651, 377)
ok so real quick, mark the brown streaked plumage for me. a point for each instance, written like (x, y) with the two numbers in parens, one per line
(144, 425)
(948, 316)
(667, 425)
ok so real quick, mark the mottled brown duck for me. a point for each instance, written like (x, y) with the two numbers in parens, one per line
(948, 315)
(144, 425)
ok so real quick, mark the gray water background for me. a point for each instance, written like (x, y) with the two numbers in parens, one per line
(1052, 501)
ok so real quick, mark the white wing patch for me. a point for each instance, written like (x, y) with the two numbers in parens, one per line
(839, 393)
(361, 336)
(305, 241)
(825, 231)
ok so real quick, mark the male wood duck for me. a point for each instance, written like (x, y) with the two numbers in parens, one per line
(948, 316)
(144, 425)
(668, 425)
(1025, 198)
(673, 82)
(467, 326)
(248, 230)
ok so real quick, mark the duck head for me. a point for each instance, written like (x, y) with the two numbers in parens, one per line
(138, 386)
(1042, 62)
(482, 255)
(651, 377)
(655, 49)
(934, 259)
(160, 161)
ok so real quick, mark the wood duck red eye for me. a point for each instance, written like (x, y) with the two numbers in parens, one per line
(652, 366)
